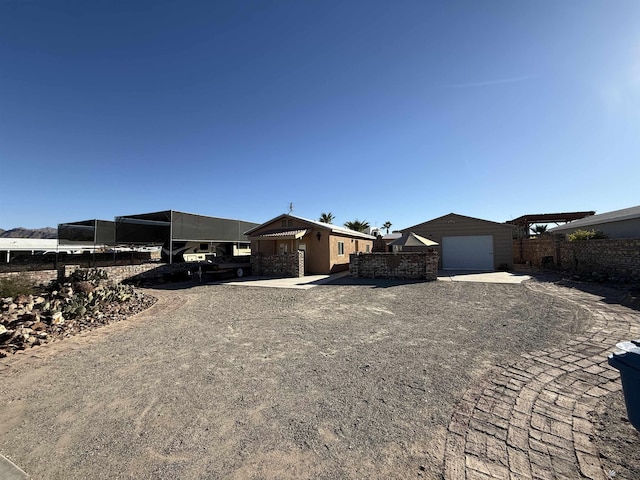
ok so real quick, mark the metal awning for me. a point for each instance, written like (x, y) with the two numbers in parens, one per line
(281, 235)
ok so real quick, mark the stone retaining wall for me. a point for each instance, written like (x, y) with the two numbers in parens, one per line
(40, 277)
(115, 274)
(286, 265)
(30, 263)
(619, 257)
(411, 265)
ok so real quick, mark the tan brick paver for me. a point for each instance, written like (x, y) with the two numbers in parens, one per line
(531, 419)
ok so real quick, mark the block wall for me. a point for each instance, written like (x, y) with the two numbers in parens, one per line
(410, 265)
(115, 274)
(616, 257)
(287, 265)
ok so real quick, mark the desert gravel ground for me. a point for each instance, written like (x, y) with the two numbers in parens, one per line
(217, 381)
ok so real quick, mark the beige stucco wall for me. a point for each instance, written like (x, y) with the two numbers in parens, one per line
(459, 225)
(351, 245)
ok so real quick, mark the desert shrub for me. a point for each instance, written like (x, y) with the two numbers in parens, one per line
(587, 235)
(16, 285)
(83, 287)
(94, 276)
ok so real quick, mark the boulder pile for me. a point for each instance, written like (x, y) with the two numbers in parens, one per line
(64, 310)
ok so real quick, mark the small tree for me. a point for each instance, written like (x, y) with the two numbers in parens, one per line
(387, 225)
(326, 217)
(357, 225)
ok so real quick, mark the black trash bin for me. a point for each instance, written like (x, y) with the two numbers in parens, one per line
(628, 363)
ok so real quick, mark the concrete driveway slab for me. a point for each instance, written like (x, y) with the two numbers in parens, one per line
(310, 281)
(10, 471)
(300, 283)
(481, 277)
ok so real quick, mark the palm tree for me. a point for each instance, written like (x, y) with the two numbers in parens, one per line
(387, 225)
(357, 225)
(326, 217)
(540, 229)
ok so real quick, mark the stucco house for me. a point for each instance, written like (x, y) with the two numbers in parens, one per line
(623, 223)
(467, 243)
(326, 246)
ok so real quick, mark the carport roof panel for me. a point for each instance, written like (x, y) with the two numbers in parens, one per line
(527, 220)
(87, 231)
(158, 227)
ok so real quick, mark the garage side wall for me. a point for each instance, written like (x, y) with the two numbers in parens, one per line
(458, 225)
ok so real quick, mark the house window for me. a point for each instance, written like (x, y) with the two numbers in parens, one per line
(368, 248)
(340, 248)
(284, 248)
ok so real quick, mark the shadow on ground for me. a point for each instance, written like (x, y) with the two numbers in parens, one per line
(373, 282)
(624, 294)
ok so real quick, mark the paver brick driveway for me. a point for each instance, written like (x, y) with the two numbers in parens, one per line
(340, 381)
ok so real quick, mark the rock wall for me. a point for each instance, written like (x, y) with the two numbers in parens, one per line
(410, 265)
(613, 257)
(40, 277)
(287, 265)
(115, 274)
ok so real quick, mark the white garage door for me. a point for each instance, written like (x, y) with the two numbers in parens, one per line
(467, 252)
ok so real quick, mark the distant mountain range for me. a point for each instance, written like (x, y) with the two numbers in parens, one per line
(20, 232)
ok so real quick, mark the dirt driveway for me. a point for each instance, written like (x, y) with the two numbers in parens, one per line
(219, 381)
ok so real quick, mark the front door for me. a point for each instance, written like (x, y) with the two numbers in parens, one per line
(303, 248)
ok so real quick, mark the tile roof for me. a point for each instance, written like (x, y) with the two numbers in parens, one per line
(326, 226)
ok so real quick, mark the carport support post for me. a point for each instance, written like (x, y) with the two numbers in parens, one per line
(171, 237)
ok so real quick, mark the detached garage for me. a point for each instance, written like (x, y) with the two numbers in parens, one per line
(468, 243)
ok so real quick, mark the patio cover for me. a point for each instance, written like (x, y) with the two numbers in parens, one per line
(281, 235)
(412, 240)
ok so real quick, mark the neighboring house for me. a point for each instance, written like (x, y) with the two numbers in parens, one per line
(326, 246)
(467, 243)
(390, 237)
(13, 247)
(623, 223)
(410, 242)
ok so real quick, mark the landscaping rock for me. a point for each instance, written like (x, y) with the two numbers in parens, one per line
(28, 320)
(39, 326)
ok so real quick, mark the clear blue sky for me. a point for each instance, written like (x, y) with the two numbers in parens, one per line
(375, 110)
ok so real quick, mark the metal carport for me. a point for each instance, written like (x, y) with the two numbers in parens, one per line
(169, 227)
